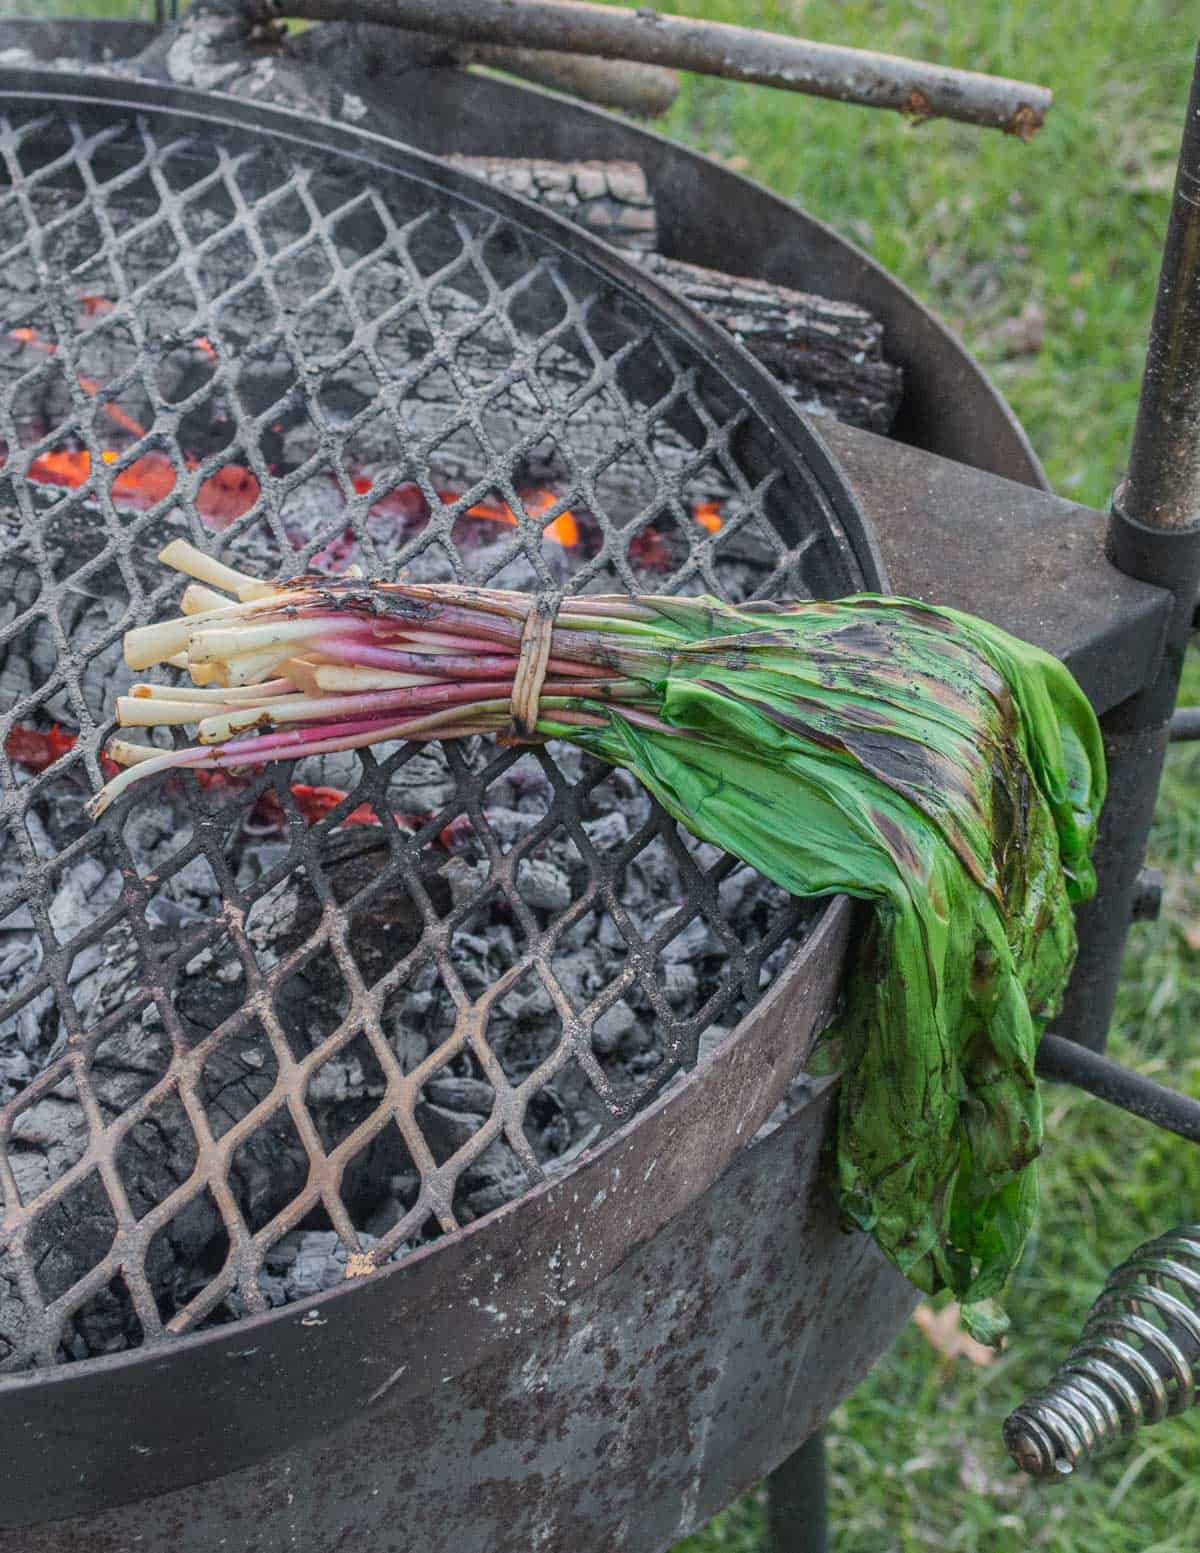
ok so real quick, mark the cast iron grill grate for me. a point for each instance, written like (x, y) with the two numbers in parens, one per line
(230, 1016)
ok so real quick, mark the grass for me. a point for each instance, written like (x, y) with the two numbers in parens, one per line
(1044, 258)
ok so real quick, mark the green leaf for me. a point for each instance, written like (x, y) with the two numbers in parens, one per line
(925, 761)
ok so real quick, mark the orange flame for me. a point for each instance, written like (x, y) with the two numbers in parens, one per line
(233, 489)
(147, 480)
(228, 493)
(564, 530)
(113, 411)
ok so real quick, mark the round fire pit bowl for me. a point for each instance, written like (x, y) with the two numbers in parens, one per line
(378, 1114)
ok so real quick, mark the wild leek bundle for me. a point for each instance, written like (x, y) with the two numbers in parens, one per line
(911, 756)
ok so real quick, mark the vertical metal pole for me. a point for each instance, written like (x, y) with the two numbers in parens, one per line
(1162, 485)
(798, 1500)
(1154, 535)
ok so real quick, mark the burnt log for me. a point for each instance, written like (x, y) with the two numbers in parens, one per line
(612, 200)
(827, 354)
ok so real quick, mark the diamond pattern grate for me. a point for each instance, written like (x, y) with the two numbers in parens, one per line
(227, 1016)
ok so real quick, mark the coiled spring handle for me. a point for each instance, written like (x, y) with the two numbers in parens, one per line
(1136, 1363)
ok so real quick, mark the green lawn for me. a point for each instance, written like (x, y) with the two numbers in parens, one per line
(1044, 258)
(1058, 243)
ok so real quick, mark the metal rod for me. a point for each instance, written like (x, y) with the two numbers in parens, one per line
(708, 48)
(1070, 1063)
(1153, 535)
(1185, 724)
(798, 1500)
(1162, 486)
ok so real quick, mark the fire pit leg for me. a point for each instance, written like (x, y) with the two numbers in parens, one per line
(798, 1500)
(1154, 535)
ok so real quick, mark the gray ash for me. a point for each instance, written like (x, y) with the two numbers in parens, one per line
(169, 841)
(208, 992)
(448, 987)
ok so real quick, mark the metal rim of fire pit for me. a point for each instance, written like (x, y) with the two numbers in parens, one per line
(757, 402)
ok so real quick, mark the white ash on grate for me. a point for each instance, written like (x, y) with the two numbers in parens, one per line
(350, 914)
(398, 432)
(344, 496)
(206, 992)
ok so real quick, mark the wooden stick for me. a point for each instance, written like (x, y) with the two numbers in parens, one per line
(862, 76)
(648, 90)
(357, 52)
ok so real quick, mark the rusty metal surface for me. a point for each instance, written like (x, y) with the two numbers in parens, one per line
(112, 1431)
(229, 207)
(623, 1418)
(1029, 561)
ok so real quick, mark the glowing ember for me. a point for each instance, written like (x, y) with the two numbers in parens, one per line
(141, 484)
(226, 495)
(650, 551)
(564, 528)
(222, 498)
(407, 501)
(113, 411)
(38, 751)
(231, 492)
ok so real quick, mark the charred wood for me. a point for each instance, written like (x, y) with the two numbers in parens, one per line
(609, 199)
(828, 354)
(820, 350)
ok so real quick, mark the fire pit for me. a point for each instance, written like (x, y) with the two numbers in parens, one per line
(250, 1037)
(258, 1042)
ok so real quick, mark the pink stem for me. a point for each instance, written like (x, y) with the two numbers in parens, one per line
(477, 666)
(441, 639)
